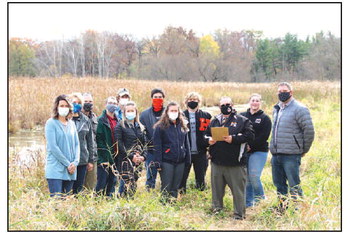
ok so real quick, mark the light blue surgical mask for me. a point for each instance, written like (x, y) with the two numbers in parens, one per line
(130, 115)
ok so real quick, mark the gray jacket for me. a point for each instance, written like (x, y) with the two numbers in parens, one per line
(148, 119)
(293, 131)
(85, 133)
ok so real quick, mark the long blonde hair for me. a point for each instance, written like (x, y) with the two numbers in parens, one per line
(137, 118)
(164, 121)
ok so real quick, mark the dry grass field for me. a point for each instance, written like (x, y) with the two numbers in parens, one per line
(30, 208)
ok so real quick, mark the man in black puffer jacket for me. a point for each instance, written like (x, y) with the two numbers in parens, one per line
(227, 166)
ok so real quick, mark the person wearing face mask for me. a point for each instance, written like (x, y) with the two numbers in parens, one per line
(86, 142)
(123, 96)
(107, 148)
(171, 149)
(148, 118)
(227, 165)
(198, 122)
(292, 137)
(132, 149)
(257, 149)
(91, 174)
(62, 147)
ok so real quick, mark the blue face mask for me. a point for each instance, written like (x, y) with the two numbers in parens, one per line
(130, 115)
(111, 108)
(76, 107)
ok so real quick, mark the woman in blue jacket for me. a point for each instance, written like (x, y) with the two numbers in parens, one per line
(62, 146)
(171, 149)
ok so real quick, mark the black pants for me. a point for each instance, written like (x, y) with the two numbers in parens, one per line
(200, 165)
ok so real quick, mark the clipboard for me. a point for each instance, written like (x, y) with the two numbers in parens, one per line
(217, 133)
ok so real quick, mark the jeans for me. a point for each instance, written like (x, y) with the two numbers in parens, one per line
(171, 176)
(58, 187)
(286, 168)
(151, 172)
(200, 165)
(78, 183)
(106, 180)
(255, 189)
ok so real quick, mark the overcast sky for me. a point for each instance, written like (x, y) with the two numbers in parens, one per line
(57, 21)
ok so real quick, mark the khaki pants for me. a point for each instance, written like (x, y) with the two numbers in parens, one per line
(91, 178)
(235, 178)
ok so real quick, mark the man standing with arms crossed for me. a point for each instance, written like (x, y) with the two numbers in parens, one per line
(292, 137)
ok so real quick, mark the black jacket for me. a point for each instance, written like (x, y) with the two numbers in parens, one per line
(130, 140)
(241, 130)
(171, 145)
(262, 128)
(202, 123)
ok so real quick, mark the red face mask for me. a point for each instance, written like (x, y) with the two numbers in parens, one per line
(157, 104)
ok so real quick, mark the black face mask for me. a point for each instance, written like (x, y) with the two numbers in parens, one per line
(284, 96)
(87, 107)
(226, 109)
(192, 104)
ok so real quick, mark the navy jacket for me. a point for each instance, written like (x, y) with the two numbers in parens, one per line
(171, 145)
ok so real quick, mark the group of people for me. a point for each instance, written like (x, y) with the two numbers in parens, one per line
(84, 150)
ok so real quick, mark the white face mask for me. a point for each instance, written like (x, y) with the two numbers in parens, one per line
(173, 115)
(123, 101)
(63, 111)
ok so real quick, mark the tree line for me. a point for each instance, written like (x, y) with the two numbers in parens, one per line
(179, 55)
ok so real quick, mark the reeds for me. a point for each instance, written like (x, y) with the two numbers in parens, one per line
(30, 99)
(30, 207)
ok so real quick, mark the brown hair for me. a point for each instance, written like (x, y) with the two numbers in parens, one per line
(55, 106)
(286, 84)
(255, 94)
(164, 121)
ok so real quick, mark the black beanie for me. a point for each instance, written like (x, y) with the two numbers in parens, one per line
(157, 90)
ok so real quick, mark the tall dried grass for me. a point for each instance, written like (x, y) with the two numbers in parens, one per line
(30, 99)
(30, 207)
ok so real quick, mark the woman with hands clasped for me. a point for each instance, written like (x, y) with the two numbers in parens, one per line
(132, 152)
(63, 149)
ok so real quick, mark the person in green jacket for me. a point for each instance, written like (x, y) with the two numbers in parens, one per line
(107, 148)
